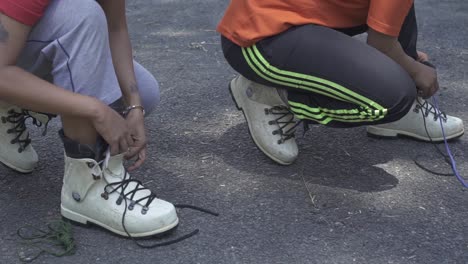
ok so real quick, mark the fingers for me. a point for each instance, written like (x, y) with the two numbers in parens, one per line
(422, 56)
(432, 90)
(131, 151)
(136, 148)
(114, 148)
(124, 143)
(426, 80)
(113, 128)
(123, 146)
(141, 159)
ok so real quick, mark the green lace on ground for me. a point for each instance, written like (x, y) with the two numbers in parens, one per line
(57, 240)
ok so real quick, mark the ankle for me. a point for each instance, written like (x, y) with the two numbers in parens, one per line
(77, 150)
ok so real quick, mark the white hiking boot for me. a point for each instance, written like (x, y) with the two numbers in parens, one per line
(106, 195)
(270, 122)
(421, 116)
(16, 151)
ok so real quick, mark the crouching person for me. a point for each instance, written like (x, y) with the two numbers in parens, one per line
(101, 95)
(297, 60)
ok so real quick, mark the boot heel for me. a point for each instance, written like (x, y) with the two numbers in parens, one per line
(75, 223)
(74, 218)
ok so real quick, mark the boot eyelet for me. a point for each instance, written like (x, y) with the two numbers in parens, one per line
(119, 201)
(131, 206)
(76, 196)
(96, 177)
(105, 195)
(144, 210)
(90, 164)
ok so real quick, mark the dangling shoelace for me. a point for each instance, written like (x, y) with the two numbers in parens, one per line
(121, 187)
(284, 119)
(449, 158)
(19, 120)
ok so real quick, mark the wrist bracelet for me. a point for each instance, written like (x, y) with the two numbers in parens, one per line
(130, 108)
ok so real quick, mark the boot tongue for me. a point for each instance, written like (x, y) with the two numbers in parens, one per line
(266, 95)
(114, 171)
(43, 118)
(13, 120)
(114, 165)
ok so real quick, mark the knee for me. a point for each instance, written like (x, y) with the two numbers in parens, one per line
(77, 16)
(93, 18)
(149, 90)
(403, 96)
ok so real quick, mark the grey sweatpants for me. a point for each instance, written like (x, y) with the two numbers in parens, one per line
(70, 47)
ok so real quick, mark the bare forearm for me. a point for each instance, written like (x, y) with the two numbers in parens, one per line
(30, 92)
(123, 64)
(424, 77)
(392, 48)
(121, 49)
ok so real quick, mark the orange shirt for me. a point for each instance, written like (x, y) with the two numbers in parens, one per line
(248, 21)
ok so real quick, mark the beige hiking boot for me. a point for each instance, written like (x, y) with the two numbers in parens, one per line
(271, 123)
(16, 151)
(423, 115)
(103, 193)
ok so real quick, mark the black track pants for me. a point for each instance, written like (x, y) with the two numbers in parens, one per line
(332, 78)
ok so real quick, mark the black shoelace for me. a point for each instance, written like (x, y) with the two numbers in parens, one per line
(19, 121)
(121, 186)
(284, 118)
(425, 109)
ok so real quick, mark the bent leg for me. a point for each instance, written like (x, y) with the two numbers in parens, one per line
(148, 87)
(71, 44)
(332, 78)
(72, 40)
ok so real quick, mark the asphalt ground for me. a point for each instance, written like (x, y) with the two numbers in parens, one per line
(348, 198)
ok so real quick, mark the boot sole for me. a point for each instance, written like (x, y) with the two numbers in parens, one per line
(239, 107)
(86, 221)
(383, 133)
(10, 166)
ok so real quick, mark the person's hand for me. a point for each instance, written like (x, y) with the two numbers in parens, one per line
(426, 81)
(135, 122)
(422, 57)
(113, 128)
